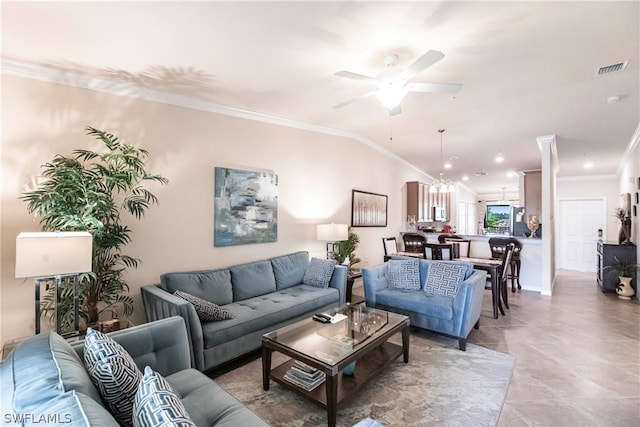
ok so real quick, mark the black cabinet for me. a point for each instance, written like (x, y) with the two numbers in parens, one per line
(607, 254)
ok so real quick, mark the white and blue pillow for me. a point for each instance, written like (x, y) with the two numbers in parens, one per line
(444, 278)
(157, 405)
(319, 272)
(114, 373)
(207, 311)
(404, 274)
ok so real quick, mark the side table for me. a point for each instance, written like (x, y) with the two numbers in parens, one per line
(351, 277)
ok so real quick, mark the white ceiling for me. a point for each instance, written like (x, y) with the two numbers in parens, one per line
(528, 69)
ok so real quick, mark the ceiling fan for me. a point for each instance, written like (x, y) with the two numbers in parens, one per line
(393, 84)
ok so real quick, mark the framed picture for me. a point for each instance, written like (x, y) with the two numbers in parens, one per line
(368, 209)
(245, 207)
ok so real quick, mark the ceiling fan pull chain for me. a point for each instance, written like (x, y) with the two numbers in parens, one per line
(390, 128)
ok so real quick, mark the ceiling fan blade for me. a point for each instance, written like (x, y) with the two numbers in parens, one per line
(395, 111)
(354, 76)
(364, 95)
(435, 87)
(420, 64)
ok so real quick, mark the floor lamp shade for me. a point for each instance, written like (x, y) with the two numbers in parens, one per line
(43, 254)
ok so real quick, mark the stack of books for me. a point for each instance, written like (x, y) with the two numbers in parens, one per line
(304, 376)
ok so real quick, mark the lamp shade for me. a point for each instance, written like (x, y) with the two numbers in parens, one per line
(42, 254)
(333, 232)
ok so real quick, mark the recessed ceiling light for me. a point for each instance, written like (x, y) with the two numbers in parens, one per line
(499, 158)
(448, 165)
(614, 99)
(511, 174)
(454, 158)
(465, 178)
(588, 165)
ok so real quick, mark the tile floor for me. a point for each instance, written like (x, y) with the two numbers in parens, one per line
(577, 355)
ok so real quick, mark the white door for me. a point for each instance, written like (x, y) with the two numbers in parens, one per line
(578, 232)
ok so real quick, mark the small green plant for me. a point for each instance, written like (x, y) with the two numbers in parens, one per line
(622, 268)
(347, 248)
(89, 191)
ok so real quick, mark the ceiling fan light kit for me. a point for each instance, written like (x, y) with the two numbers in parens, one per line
(393, 85)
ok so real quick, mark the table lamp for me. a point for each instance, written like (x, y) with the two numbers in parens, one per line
(48, 256)
(332, 233)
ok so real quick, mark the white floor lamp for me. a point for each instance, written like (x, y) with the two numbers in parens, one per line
(47, 257)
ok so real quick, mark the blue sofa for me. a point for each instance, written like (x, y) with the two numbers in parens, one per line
(44, 381)
(262, 296)
(450, 316)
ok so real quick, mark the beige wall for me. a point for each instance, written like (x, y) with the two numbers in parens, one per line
(316, 175)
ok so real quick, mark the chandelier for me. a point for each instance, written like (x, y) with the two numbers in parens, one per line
(442, 185)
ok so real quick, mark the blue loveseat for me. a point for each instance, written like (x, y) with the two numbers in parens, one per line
(262, 296)
(44, 381)
(453, 316)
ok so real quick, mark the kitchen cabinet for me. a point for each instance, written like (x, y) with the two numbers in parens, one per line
(421, 203)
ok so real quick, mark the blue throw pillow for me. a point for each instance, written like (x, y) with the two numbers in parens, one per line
(404, 274)
(319, 272)
(206, 310)
(444, 278)
(113, 372)
(157, 405)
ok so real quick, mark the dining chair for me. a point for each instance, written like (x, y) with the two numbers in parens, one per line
(414, 242)
(390, 245)
(497, 246)
(507, 256)
(438, 251)
(443, 237)
(461, 247)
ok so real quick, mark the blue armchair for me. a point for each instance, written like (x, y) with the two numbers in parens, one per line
(450, 316)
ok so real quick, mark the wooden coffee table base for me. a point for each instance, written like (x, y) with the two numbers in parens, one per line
(371, 360)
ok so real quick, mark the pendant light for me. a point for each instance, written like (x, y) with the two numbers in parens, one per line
(442, 185)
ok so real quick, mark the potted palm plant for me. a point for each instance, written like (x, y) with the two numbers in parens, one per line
(625, 271)
(90, 191)
(345, 250)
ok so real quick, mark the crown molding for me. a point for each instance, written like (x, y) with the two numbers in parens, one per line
(586, 177)
(631, 147)
(50, 74)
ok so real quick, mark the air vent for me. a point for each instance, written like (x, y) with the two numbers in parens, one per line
(611, 68)
(481, 172)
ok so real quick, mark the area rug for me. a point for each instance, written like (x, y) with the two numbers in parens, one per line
(440, 386)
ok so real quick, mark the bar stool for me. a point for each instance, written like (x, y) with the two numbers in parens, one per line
(498, 245)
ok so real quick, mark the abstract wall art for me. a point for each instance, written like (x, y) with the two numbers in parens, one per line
(246, 207)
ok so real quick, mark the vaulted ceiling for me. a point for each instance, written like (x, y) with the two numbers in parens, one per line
(528, 69)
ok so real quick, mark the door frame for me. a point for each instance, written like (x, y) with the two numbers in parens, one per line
(561, 236)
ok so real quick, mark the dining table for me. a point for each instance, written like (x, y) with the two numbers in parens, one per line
(493, 267)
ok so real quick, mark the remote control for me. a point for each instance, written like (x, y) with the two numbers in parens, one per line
(319, 318)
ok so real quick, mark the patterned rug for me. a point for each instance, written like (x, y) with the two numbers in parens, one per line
(440, 386)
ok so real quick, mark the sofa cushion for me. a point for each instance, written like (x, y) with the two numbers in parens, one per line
(437, 306)
(157, 405)
(252, 279)
(208, 404)
(318, 272)
(404, 274)
(263, 312)
(210, 285)
(114, 372)
(206, 310)
(444, 278)
(289, 269)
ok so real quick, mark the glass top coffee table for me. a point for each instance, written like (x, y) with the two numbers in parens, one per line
(356, 333)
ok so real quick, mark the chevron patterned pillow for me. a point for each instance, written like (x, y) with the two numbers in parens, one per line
(113, 372)
(206, 310)
(444, 278)
(157, 405)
